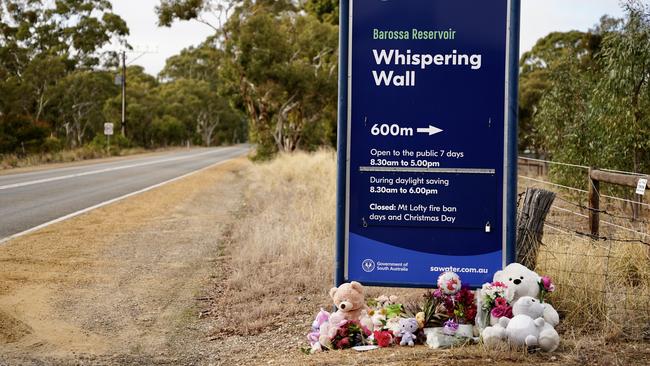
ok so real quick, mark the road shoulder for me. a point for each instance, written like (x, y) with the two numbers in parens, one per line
(123, 283)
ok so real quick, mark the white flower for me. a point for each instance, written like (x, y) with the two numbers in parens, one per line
(449, 283)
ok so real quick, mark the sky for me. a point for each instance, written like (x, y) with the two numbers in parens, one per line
(538, 18)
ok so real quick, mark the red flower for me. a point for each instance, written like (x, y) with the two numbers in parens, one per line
(501, 311)
(470, 314)
(499, 284)
(344, 342)
(452, 284)
(383, 338)
(465, 296)
(500, 301)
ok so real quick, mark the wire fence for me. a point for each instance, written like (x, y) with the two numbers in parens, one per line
(602, 281)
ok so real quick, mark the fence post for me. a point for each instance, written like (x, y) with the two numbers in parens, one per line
(594, 205)
(530, 224)
(636, 207)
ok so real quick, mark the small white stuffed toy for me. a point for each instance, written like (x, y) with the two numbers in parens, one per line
(521, 282)
(526, 328)
(408, 328)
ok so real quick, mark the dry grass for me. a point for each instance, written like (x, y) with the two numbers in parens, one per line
(290, 221)
(603, 286)
(279, 260)
(282, 246)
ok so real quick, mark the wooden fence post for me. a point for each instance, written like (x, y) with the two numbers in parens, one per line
(530, 224)
(594, 205)
(636, 207)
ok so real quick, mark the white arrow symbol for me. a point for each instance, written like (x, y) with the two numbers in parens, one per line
(431, 130)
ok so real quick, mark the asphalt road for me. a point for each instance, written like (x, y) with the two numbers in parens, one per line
(28, 200)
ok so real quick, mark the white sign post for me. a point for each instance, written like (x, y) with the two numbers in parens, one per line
(108, 131)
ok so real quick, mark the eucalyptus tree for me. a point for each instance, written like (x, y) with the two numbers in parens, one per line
(621, 102)
(42, 41)
(600, 115)
(277, 63)
(80, 99)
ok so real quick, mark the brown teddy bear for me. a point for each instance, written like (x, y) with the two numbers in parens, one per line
(349, 299)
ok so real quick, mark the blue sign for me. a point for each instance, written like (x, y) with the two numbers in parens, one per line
(427, 140)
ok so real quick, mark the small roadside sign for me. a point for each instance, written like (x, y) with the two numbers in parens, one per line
(108, 129)
(641, 186)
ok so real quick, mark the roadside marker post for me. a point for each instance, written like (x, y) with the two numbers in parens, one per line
(108, 131)
(427, 140)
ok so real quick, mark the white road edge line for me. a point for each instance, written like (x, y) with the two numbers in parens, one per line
(105, 170)
(113, 200)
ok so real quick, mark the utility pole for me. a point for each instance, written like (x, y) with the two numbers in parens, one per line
(122, 79)
(124, 93)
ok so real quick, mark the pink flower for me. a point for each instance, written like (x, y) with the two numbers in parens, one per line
(343, 331)
(501, 311)
(366, 332)
(547, 284)
(499, 284)
(437, 293)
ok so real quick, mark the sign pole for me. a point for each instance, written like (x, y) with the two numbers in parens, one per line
(123, 125)
(342, 143)
(513, 116)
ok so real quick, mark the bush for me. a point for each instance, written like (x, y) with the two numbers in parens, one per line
(52, 144)
(97, 146)
(121, 142)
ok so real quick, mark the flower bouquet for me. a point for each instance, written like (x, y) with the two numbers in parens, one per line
(350, 334)
(461, 308)
(495, 303)
(455, 310)
(433, 312)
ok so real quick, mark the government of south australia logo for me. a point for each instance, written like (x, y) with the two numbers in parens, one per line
(368, 265)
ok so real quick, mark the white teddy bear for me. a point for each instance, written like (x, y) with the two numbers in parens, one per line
(526, 328)
(521, 282)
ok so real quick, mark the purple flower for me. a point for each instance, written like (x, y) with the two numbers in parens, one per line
(450, 328)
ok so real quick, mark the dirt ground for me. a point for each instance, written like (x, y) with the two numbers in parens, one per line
(123, 284)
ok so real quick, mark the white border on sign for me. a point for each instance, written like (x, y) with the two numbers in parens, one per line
(506, 140)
